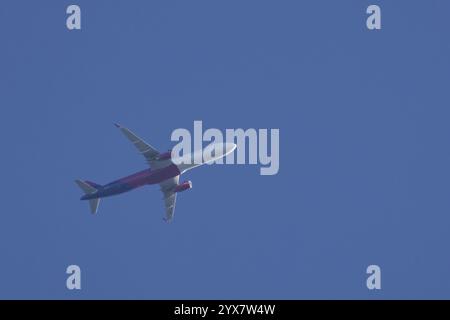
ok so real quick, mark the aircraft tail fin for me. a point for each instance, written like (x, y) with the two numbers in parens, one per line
(88, 188)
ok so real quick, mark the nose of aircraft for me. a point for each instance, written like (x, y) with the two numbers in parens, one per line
(217, 150)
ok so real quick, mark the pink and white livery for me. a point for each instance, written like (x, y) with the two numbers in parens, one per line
(164, 171)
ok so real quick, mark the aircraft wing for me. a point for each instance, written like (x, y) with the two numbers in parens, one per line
(170, 197)
(144, 148)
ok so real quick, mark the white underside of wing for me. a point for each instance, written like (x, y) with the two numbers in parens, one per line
(170, 197)
(143, 147)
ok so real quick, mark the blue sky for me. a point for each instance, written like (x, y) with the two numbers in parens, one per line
(363, 119)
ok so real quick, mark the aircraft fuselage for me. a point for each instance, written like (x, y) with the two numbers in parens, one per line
(134, 181)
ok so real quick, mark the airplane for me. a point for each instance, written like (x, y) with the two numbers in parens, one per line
(163, 171)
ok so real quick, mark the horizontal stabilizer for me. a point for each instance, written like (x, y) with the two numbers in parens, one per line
(94, 205)
(93, 184)
(87, 188)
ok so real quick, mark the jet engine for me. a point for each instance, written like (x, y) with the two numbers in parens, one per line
(183, 187)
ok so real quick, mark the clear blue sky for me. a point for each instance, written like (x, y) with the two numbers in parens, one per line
(364, 153)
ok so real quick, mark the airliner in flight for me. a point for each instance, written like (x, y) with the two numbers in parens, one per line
(164, 170)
